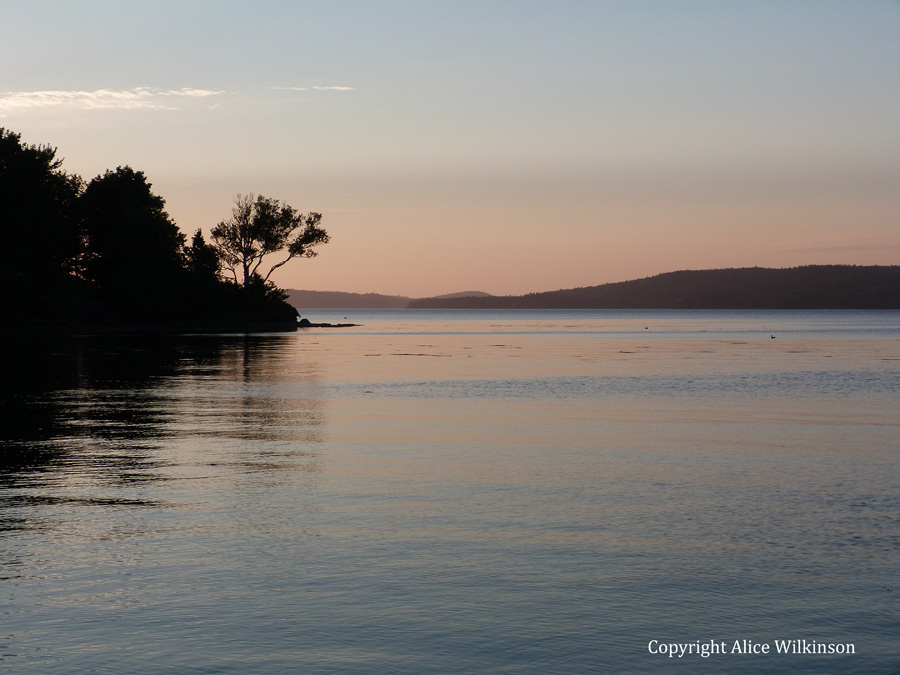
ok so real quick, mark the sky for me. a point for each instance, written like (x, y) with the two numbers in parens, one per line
(500, 146)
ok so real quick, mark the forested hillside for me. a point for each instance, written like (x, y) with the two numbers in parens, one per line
(810, 287)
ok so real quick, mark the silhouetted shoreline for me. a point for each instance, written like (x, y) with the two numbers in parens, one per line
(26, 329)
(103, 255)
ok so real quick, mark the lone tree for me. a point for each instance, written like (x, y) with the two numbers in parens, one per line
(260, 226)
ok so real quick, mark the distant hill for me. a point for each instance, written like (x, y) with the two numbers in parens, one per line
(810, 287)
(341, 300)
(464, 294)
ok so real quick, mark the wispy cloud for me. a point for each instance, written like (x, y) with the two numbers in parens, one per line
(118, 99)
(101, 99)
(194, 93)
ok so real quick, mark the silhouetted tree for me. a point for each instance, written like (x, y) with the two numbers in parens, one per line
(260, 226)
(133, 252)
(202, 259)
(37, 226)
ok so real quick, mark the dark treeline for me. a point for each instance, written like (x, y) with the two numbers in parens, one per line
(105, 252)
(810, 287)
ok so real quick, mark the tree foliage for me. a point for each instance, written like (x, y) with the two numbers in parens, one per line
(38, 225)
(260, 226)
(133, 252)
(129, 237)
(202, 259)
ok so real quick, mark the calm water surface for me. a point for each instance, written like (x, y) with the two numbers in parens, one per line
(440, 492)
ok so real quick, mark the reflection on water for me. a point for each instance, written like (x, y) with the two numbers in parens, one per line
(88, 414)
(453, 495)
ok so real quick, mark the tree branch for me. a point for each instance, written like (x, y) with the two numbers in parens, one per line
(275, 267)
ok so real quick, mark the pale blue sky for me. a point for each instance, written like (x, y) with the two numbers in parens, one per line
(500, 146)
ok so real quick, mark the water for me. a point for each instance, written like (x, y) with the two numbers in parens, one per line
(455, 492)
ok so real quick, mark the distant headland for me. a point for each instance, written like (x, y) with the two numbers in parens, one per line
(808, 287)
